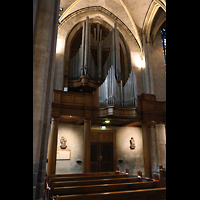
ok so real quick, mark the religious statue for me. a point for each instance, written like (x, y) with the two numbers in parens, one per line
(132, 143)
(63, 143)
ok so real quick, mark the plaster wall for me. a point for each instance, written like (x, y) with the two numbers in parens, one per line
(132, 159)
(74, 136)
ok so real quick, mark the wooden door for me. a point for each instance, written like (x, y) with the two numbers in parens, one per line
(106, 157)
(101, 157)
(102, 151)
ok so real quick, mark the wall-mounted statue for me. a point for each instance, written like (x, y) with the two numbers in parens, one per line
(63, 143)
(132, 143)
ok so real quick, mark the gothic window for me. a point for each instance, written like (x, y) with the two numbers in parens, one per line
(163, 35)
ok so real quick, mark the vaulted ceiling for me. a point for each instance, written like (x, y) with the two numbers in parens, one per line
(137, 15)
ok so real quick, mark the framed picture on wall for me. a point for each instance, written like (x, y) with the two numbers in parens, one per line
(63, 154)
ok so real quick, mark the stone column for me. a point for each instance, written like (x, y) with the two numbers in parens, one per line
(45, 22)
(86, 146)
(151, 80)
(52, 149)
(153, 147)
(146, 151)
(161, 144)
(145, 70)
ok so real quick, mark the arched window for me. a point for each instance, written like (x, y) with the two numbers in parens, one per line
(163, 35)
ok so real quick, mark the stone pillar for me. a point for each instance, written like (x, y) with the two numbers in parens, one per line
(145, 70)
(146, 151)
(161, 144)
(153, 147)
(45, 22)
(52, 149)
(151, 80)
(86, 146)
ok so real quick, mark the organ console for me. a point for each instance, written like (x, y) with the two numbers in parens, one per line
(89, 65)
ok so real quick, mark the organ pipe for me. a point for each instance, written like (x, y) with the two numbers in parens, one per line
(113, 93)
(111, 90)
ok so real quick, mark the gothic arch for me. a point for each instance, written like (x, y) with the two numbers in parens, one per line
(155, 5)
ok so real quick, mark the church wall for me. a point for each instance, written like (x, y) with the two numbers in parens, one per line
(74, 136)
(158, 67)
(132, 159)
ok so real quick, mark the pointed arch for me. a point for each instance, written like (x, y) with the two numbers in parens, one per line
(153, 8)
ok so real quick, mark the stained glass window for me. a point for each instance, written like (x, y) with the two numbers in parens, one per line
(163, 35)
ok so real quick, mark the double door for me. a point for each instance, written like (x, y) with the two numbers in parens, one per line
(101, 157)
(102, 151)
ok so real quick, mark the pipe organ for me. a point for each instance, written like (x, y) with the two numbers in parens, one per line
(84, 63)
(98, 59)
(113, 93)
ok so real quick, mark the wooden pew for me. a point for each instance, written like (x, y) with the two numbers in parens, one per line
(88, 177)
(95, 182)
(83, 180)
(101, 188)
(83, 174)
(162, 178)
(143, 194)
(91, 182)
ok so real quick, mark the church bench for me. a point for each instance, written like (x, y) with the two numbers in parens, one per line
(162, 178)
(83, 174)
(143, 194)
(88, 177)
(74, 180)
(90, 182)
(101, 188)
(94, 182)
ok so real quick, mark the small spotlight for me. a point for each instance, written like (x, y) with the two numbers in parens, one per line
(61, 9)
(103, 127)
(107, 121)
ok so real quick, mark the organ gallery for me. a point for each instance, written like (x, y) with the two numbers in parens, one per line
(99, 91)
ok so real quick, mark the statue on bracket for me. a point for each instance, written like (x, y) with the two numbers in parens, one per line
(63, 143)
(132, 143)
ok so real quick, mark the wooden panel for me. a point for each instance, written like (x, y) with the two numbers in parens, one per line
(78, 99)
(106, 157)
(67, 98)
(95, 137)
(94, 155)
(106, 137)
(56, 97)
